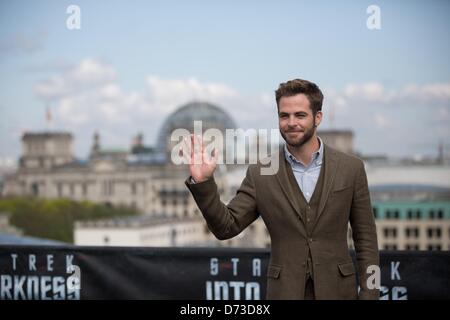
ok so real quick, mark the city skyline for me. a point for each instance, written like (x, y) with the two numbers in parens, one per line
(130, 66)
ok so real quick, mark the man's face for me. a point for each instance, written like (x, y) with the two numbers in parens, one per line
(296, 120)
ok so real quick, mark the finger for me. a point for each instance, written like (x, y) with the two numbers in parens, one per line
(193, 144)
(215, 154)
(210, 155)
(186, 151)
(198, 151)
(198, 143)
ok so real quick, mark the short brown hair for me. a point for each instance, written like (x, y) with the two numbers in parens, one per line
(296, 86)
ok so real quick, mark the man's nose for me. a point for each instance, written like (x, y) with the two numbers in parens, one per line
(292, 122)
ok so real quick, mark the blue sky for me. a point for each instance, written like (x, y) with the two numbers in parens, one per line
(133, 62)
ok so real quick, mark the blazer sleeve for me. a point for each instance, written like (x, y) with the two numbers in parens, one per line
(226, 221)
(364, 232)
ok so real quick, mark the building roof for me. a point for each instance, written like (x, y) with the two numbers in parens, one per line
(135, 222)
(335, 132)
(211, 116)
(430, 175)
(11, 239)
(46, 134)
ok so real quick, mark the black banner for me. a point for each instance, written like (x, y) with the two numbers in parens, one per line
(72, 272)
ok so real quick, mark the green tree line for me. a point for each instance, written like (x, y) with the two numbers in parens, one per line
(55, 218)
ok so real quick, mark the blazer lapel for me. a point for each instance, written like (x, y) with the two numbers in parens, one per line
(330, 164)
(286, 184)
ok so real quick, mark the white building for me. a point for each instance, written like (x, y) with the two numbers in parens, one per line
(161, 232)
(411, 202)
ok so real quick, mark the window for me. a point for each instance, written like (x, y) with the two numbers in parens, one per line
(388, 214)
(108, 188)
(409, 214)
(390, 247)
(440, 214)
(412, 247)
(435, 247)
(434, 232)
(395, 214)
(35, 189)
(412, 232)
(84, 189)
(133, 188)
(413, 214)
(432, 216)
(390, 232)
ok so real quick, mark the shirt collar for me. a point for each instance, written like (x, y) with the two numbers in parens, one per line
(317, 155)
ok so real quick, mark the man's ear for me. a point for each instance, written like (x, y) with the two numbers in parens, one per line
(318, 118)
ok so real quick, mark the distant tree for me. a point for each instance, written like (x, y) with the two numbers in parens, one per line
(55, 218)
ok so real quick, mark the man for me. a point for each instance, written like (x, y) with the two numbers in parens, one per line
(306, 206)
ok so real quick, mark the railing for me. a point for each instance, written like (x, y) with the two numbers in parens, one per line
(73, 272)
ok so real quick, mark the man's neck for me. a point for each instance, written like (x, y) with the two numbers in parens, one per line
(304, 152)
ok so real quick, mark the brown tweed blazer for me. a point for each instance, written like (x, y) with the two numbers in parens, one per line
(344, 199)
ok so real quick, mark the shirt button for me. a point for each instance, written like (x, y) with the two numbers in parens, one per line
(310, 240)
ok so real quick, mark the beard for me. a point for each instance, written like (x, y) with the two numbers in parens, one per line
(308, 133)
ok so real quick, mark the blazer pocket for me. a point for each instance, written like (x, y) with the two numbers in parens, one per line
(341, 188)
(273, 271)
(346, 269)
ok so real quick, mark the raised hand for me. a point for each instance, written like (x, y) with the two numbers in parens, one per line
(201, 164)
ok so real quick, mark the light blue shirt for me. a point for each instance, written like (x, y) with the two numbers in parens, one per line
(306, 176)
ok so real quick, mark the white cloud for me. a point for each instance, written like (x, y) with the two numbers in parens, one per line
(444, 114)
(69, 110)
(436, 93)
(86, 75)
(412, 94)
(88, 97)
(372, 91)
(381, 121)
(167, 94)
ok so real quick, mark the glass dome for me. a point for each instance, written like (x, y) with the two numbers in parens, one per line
(184, 117)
